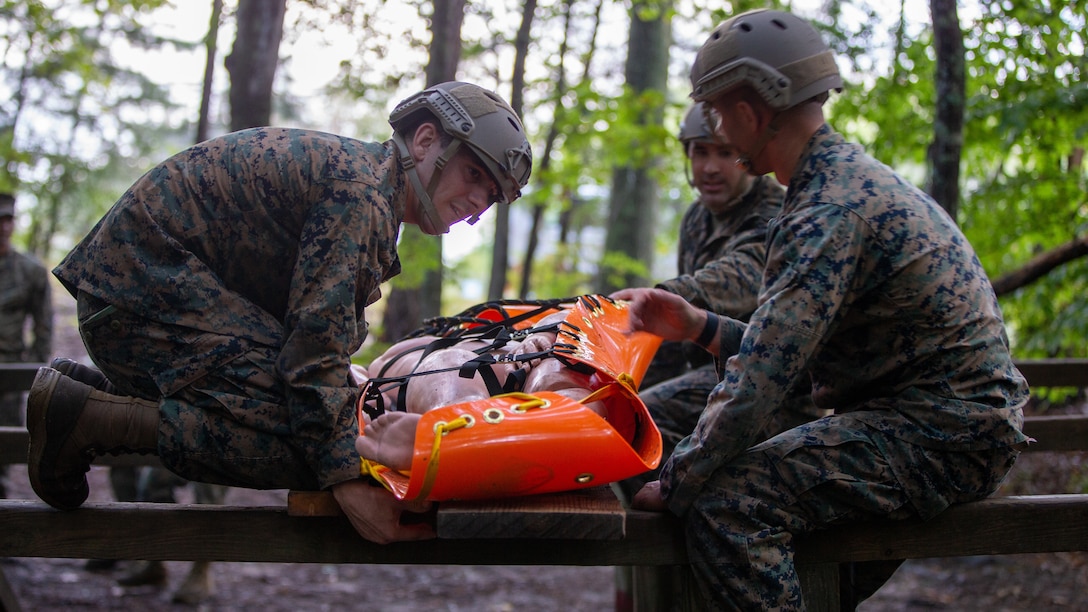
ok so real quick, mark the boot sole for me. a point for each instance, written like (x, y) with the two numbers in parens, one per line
(42, 429)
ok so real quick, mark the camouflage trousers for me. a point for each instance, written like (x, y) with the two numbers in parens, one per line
(835, 470)
(227, 425)
(676, 405)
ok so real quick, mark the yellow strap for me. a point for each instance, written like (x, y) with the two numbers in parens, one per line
(610, 389)
(441, 428)
(373, 469)
(529, 401)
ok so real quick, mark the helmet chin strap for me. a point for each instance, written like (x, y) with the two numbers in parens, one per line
(424, 195)
(689, 172)
(745, 161)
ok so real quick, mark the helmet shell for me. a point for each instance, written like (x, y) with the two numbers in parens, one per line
(781, 56)
(480, 119)
(695, 126)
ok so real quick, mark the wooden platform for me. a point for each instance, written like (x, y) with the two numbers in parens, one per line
(589, 514)
(584, 528)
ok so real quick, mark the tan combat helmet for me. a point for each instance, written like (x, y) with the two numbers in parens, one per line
(472, 116)
(778, 54)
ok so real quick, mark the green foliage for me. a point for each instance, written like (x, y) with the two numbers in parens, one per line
(617, 269)
(72, 119)
(1026, 115)
(418, 255)
(77, 126)
(562, 273)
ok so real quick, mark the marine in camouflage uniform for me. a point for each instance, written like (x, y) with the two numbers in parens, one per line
(870, 289)
(24, 294)
(232, 320)
(226, 290)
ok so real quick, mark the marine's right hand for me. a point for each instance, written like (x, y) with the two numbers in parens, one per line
(376, 514)
(662, 313)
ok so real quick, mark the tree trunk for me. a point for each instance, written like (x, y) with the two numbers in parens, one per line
(634, 191)
(407, 306)
(253, 61)
(553, 133)
(500, 251)
(944, 152)
(211, 45)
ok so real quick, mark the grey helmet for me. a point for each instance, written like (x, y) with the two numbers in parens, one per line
(778, 54)
(472, 116)
(695, 126)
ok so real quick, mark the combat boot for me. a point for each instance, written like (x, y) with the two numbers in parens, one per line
(71, 423)
(143, 573)
(197, 586)
(84, 374)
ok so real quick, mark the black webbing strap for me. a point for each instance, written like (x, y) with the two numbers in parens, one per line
(468, 326)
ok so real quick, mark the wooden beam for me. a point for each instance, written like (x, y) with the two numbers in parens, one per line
(14, 442)
(192, 532)
(1057, 433)
(18, 376)
(1054, 372)
(587, 514)
(994, 526)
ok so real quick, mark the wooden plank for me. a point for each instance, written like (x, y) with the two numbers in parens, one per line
(1058, 433)
(312, 503)
(820, 586)
(587, 514)
(1054, 372)
(994, 526)
(199, 532)
(1006, 525)
(15, 440)
(18, 376)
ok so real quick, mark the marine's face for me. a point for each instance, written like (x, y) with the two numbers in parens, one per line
(716, 175)
(465, 189)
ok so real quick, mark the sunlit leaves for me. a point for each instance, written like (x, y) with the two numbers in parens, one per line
(1025, 118)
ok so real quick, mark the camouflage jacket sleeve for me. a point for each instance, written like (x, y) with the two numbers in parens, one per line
(346, 249)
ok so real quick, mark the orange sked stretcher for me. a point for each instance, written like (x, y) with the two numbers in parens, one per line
(518, 443)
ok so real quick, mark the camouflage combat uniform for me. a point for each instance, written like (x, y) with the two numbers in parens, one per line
(720, 263)
(229, 284)
(871, 288)
(24, 293)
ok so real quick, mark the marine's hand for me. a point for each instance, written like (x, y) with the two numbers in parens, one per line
(376, 514)
(662, 313)
(649, 498)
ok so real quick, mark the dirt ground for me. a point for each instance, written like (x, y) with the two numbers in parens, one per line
(1007, 583)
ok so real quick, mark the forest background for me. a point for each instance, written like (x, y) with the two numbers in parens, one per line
(982, 103)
